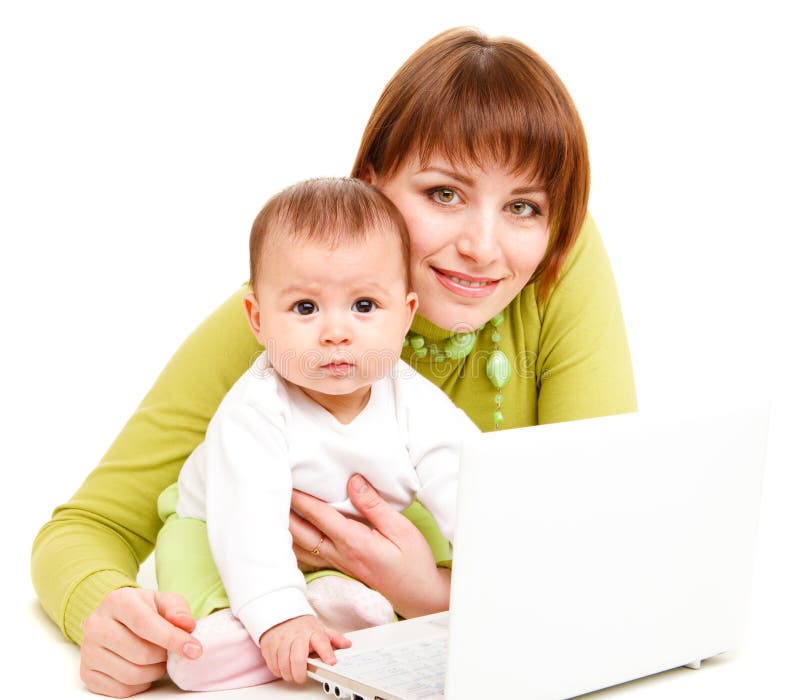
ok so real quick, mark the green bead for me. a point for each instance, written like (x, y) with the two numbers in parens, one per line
(498, 399)
(405, 342)
(496, 337)
(498, 369)
(460, 345)
(421, 352)
(417, 342)
(498, 320)
(498, 417)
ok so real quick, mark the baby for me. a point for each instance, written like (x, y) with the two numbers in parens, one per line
(331, 304)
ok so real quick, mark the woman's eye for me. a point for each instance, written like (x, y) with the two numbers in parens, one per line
(304, 308)
(444, 195)
(524, 209)
(364, 306)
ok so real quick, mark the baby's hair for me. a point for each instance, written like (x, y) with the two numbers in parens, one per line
(481, 100)
(327, 211)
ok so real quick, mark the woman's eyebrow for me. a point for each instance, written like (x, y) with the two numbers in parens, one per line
(469, 182)
(448, 173)
(530, 189)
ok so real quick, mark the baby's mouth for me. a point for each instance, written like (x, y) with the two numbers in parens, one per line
(338, 367)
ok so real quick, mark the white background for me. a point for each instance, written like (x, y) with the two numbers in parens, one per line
(139, 140)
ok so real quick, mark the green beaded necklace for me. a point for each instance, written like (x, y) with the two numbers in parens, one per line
(458, 346)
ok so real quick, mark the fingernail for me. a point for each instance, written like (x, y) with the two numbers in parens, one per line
(192, 650)
(359, 484)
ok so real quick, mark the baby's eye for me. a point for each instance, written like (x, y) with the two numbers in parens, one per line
(524, 209)
(364, 306)
(305, 307)
(444, 195)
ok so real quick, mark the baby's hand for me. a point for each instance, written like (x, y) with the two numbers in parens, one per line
(286, 646)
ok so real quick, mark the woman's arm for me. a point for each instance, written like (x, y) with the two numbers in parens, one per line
(96, 541)
(85, 560)
(584, 365)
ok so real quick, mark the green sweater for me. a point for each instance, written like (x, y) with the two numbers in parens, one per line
(570, 359)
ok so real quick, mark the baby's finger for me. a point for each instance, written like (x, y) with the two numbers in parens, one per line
(321, 644)
(270, 658)
(298, 659)
(284, 662)
(337, 639)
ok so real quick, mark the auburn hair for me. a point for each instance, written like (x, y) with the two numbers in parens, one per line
(479, 100)
(327, 211)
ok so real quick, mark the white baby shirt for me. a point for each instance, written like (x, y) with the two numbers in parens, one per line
(269, 437)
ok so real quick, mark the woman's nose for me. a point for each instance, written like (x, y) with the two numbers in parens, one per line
(478, 239)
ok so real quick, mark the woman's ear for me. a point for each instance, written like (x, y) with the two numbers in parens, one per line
(368, 174)
(412, 302)
(253, 313)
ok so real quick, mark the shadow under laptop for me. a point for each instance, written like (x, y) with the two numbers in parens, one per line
(638, 684)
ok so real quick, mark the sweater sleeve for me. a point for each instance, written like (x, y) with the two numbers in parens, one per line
(584, 365)
(248, 490)
(96, 541)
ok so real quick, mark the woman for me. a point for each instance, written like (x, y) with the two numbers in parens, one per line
(479, 145)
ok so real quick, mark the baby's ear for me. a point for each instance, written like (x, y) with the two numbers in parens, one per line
(253, 313)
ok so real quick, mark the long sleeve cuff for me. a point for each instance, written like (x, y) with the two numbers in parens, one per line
(85, 598)
(271, 609)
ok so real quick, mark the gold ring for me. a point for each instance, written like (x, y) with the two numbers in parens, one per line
(315, 551)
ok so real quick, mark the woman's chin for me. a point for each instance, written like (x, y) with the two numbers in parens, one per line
(459, 317)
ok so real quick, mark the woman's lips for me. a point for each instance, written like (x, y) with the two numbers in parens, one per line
(465, 285)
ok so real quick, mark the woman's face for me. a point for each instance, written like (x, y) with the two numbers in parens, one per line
(477, 236)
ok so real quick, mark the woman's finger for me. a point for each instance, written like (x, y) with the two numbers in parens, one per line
(304, 534)
(103, 684)
(305, 539)
(308, 563)
(119, 640)
(124, 671)
(379, 513)
(175, 608)
(321, 515)
(143, 619)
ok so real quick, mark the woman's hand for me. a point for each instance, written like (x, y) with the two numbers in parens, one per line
(127, 637)
(391, 557)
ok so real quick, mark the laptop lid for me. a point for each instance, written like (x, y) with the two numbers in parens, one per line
(594, 552)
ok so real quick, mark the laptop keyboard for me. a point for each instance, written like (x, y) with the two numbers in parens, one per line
(414, 670)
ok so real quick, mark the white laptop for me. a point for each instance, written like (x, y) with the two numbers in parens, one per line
(587, 554)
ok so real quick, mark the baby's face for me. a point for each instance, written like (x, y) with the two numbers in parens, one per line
(333, 319)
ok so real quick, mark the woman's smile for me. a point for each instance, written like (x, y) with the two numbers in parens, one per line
(465, 285)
